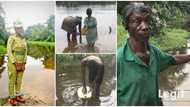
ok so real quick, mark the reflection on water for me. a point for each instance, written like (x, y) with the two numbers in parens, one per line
(45, 53)
(38, 81)
(81, 48)
(69, 79)
(1, 65)
(106, 25)
(177, 78)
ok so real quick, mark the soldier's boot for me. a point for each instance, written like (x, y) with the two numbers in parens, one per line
(20, 99)
(12, 101)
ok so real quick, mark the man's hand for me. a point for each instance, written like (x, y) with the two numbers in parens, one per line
(181, 59)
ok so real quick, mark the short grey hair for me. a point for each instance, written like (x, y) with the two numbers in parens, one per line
(135, 7)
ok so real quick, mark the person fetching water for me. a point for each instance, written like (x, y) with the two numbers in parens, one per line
(95, 66)
(70, 24)
(90, 24)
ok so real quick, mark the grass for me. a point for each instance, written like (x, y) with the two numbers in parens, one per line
(3, 101)
(41, 43)
(122, 34)
(2, 49)
(172, 39)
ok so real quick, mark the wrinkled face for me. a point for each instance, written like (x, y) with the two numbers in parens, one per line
(19, 30)
(138, 26)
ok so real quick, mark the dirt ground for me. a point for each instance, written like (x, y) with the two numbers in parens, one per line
(29, 101)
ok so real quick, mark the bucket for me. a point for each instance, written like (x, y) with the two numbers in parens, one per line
(86, 95)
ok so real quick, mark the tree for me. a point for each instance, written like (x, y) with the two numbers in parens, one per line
(41, 32)
(165, 13)
(3, 32)
(50, 29)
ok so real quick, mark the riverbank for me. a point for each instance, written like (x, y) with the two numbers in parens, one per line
(170, 39)
(69, 79)
(38, 83)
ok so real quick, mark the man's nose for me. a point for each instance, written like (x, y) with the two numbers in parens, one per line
(144, 26)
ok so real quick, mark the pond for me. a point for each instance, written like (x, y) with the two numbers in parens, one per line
(69, 79)
(105, 15)
(39, 77)
(175, 82)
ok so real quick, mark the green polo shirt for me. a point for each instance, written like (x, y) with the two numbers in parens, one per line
(137, 82)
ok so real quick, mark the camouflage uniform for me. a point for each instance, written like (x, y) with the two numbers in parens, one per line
(17, 52)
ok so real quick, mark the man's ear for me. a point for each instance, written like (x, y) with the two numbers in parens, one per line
(125, 25)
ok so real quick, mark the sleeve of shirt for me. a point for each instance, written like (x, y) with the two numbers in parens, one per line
(9, 49)
(25, 55)
(92, 23)
(165, 60)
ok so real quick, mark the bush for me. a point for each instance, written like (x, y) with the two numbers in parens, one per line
(2, 50)
(172, 39)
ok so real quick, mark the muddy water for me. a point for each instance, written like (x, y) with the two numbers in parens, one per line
(38, 82)
(105, 15)
(69, 79)
(176, 81)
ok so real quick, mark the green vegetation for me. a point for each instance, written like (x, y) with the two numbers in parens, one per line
(41, 32)
(3, 101)
(169, 24)
(72, 59)
(2, 50)
(122, 34)
(48, 45)
(43, 51)
(41, 43)
(3, 32)
(40, 35)
(70, 63)
(38, 49)
(172, 39)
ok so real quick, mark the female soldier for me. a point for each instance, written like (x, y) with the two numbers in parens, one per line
(91, 25)
(17, 54)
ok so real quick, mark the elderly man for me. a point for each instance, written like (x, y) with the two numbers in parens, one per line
(139, 63)
(17, 54)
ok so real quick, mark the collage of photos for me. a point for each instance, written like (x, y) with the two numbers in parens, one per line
(94, 53)
(85, 27)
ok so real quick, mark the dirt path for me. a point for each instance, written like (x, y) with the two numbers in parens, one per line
(29, 101)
